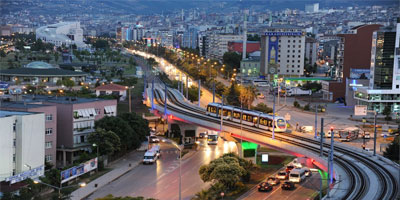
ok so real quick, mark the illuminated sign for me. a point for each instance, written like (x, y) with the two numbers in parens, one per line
(283, 33)
(264, 158)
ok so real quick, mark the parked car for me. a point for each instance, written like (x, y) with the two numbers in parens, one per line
(273, 181)
(264, 187)
(366, 135)
(282, 175)
(289, 168)
(287, 185)
(260, 96)
(154, 139)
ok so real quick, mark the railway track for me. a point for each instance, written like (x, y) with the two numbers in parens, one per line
(359, 184)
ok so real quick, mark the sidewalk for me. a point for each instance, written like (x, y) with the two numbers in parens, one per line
(121, 167)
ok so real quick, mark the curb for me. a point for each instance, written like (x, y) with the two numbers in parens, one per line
(127, 171)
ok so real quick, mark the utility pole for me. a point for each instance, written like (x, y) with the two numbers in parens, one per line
(187, 87)
(330, 163)
(222, 113)
(165, 100)
(213, 92)
(273, 118)
(375, 114)
(316, 121)
(199, 91)
(322, 137)
(152, 94)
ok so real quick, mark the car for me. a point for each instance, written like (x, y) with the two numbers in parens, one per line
(264, 187)
(367, 135)
(287, 185)
(273, 181)
(154, 139)
(282, 175)
(289, 168)
(202, 135)
(308, 172)
(260, 96)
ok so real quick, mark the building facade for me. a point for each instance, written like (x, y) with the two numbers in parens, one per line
(250, 67)
(50, 130)
(22, 145)
(353, 54)
(384, 83)
(282, 51)
(311, 50)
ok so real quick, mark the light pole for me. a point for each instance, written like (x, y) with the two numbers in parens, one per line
(222, 113)
(180, 170)
(83, 184)
(129, 98)
(98, 159)
(273, 118)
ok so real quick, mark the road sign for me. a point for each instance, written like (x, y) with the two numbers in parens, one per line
(360, 110)
(287, 117)
(264, 158)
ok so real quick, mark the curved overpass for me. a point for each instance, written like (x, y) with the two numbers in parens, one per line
(358, 175)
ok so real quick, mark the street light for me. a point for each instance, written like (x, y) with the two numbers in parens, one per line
(180, 171)
(83, 184)
(129, 98)
(98, 159)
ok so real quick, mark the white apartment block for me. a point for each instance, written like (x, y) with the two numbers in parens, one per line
(282, 51)
(22, 145)
(217, 44)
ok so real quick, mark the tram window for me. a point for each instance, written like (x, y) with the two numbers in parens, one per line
(244, 116)
(236, 115)
(229, 113)
(250, 118)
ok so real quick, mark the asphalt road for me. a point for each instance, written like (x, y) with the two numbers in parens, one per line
(161, 180)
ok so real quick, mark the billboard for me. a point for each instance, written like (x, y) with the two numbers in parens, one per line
(35, 172)
(79, 170)
(273, 54)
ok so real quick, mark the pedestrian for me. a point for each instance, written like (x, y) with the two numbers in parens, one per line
(297, 125)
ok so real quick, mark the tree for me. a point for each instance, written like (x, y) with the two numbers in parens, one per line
(232, 96)
(139, 125)
(227, 170)
(2, 53)
(262, 108)
(392, 152)
(107, 141)
(255, 37)
(122, 129)
(66, 82)
(193, 93)
(387, 112)
(56, 56)
(247, 95)
(101, 44)
(232, 59)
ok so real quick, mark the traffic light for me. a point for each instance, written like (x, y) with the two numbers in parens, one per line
(332, 133)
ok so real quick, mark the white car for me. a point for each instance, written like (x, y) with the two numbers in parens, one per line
(154, 139)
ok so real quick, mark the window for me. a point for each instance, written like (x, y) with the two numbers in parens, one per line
(299, 46)
(288, 51)
(288, 60)
(293, 56)
(299, 56)
(49, 158)
(288, 56)
(293, 61)
(397, 86)
(299, 51)
(300, 41)
(14, 157)
(292, 70)
(288, 41)
(298, 61)
(14, 126)
(298, 66)
(15, 142)
(298, 71)
(294, 51)
(49, 117)
(294, 46)
(48, 145)
(279, 61)
(49, 131)
(279, 56)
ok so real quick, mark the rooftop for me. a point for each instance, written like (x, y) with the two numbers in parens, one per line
(22, 105)
(40, 70)
(39, 65)
(5, 113)
(111, 86)
(60, 99)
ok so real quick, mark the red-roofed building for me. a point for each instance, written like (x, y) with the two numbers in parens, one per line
(237, 46)
(112, 89)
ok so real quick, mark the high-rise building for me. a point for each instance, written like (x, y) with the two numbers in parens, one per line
(190, 38)
(311, 8)
(353, 57)
(384, 82)
(22, 145)
(282, 50)
(217, 44)
(311, 50)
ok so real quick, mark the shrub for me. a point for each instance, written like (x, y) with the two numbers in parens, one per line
(307, 107)
(296, 104)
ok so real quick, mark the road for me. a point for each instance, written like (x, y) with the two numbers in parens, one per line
(161, 180)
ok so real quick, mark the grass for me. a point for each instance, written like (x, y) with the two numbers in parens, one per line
(137, 103)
